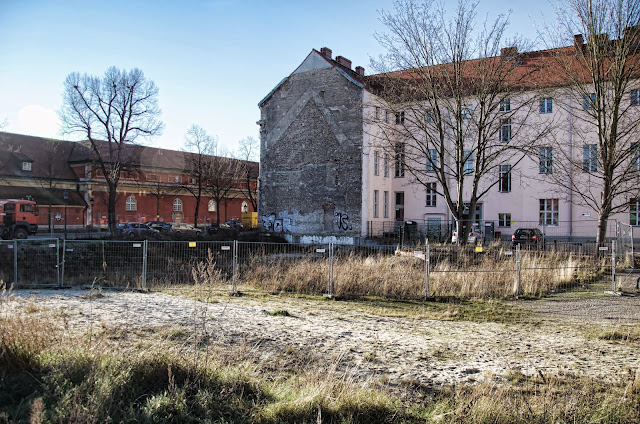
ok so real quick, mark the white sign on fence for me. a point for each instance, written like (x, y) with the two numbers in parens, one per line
(603, 248)
(52, 245)
(320, 250)
(137, 244)
(226, 247)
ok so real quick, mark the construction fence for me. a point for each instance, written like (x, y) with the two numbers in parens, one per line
(332, 270)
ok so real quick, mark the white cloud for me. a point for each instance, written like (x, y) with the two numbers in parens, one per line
(37, 120)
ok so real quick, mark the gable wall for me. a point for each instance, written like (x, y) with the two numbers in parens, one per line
(311, 147)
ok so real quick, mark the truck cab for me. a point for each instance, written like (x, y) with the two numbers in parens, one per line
(18, 218)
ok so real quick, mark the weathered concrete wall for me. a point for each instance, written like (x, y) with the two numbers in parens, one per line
(310, 158)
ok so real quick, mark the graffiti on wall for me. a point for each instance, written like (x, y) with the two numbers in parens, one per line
(272, 223)
(343, 221)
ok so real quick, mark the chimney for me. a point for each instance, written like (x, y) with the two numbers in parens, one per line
(508, 52)
(578, 43)
(360, 70)
(343, 61)
(326, 51)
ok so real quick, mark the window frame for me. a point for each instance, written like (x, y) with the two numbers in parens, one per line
(399, 160)
(376, 163)
(432, 160)
(385, 205)
(467, 168)
(505, 130)
(400, 117)
(211, 206)
(431, 200)
(177, 205)
(131, 205)
(589, 101)
(504, 220)
(376, 194)
(634, 97)
(505, 105)
(590, 158)
(546, 105)
(545, 164)
(27, 166)
(549, 212)
(504, 177)
(386, 165)
(634, 209)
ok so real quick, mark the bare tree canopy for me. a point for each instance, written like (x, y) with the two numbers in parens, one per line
(111, 112)
(199, 144)
(451, 101)
(600, 78)
(248, 153)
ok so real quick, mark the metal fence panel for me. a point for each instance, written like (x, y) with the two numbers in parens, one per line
(35, 261)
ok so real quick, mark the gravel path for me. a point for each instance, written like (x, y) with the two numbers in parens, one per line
(400, 349)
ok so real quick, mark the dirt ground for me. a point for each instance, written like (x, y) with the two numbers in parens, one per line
(559, 339)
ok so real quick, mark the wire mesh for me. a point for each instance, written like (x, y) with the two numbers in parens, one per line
(335, 270)
(283, 268)
(172, 264)
(103, 262)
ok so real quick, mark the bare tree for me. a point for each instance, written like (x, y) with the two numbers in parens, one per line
(451, 105)
(248, 153)
(198, 144)
(221, 178)
(600, 92)
(112, 112)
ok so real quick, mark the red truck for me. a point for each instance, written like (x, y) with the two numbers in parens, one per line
(18, 218)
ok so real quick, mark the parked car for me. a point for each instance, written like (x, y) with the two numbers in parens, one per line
(136, 230)
(235, 224)
(475, 235)
(156, 225)
(181, 229)
(528, 237)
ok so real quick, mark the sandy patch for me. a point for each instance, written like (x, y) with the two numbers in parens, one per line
(398, 349)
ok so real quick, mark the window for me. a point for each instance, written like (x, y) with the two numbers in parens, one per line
(431, 194)
(245, 207)
(386, 116)
(468, 163)
(375, 203)
(377, 113)
(27, 166)
(385, 205)
(177, 205)
(466, 112)
(635, 157)
(546, 160)
(546, 105)
(549, 211)
(634, 212)
(376, 163)
(399, 117)
(635, 97)
(174, 179)
(505, 105)
(399, 160)
(432, 160)
(193, 180)
(130, 204)
(152, 177)
(386, 164)
(504, 220)
(504, 182)
(589, 101)
(211, 207)
(505, 130)
(429, 116)
(178, 179)
(590, 158)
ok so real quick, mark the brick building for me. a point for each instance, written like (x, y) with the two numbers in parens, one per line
(64, 179)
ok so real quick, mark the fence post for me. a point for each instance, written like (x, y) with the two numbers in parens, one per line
(144, 264)
(517, 287)
(60, 269)
(613, 266)
(330, 287)
(235, 268)
(427, 266)
(15, 262)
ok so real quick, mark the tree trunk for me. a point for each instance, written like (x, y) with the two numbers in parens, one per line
(111, 207)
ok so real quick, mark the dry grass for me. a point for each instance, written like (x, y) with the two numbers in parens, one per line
(403, 277)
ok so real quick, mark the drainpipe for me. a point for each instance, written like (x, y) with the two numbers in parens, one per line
(571, 167)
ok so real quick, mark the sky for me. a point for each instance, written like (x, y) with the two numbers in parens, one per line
(213, 60)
